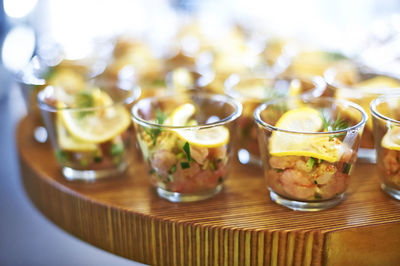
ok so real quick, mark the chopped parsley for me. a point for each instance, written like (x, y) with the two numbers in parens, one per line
(310, 163)
(172, 170)
(186, 149)
(185, 165)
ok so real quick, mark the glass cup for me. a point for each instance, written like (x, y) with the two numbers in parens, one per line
(186, 142)
(386, 122)
(90, 129)
(366, 87)
(309, 149)
(254, 89)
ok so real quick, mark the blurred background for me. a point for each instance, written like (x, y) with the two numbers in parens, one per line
(161, 36)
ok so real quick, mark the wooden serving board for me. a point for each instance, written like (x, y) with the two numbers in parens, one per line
(239, 226)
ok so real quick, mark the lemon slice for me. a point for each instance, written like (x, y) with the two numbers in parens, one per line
(391, 140)
(69, 143)
(181, 114)
(378, 82)
(207, 138)
(303, 119)
(97, 125)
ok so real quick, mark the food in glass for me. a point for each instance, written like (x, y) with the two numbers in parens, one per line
(186, 143)
(252, 90)
(366, 88)
(386, 122)
(313, 62)
(71, 75)
(309, 149)
(90, 129)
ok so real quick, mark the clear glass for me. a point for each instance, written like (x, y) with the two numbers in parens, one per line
(309, 170)
(90, 129)
(55, 71)
(386, 122)
(187, 160)
(254, 89)
(362, 89)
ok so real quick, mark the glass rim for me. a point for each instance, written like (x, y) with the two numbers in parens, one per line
(330, 79)
(259, 109)
(379, 100)
(318, 83)
(223, 98)
(51, 108)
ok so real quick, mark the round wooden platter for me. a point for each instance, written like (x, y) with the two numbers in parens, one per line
(239, 226)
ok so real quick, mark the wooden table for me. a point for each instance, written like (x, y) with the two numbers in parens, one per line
(239, 226)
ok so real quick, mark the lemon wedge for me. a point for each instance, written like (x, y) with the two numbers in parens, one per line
(97, 125)
(303, 119)
(391, 140)
(207, 138)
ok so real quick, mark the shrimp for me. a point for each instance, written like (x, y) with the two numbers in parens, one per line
(283, 162)
(162, 161)
(198, 154)
(323, 173)
(390, 162)
(296, 184)
(335, 185)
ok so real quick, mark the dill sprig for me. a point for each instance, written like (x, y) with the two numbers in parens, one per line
(330, 125)
(336, 125)
(154, 132)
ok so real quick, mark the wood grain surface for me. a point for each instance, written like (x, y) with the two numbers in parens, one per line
(239, 226)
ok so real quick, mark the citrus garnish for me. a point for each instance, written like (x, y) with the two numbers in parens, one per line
(98, 124)
(180, 116)
(303, 119)
(208, 138)
(379, 82)
(68, 142)
(391, 140)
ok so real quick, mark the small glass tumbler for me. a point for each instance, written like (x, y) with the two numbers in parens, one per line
(90, 130)
(185, 141)
(254, 89)
(386, 121)
(309, 149)
(362, 91)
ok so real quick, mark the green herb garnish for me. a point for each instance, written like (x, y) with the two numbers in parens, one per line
(315, 182)
(61, 156)
(212, 166)
(310, 163)
(84, 100)
(185, 165)
(220, 180)
(334, 56)
(97, 159)
(172, 170)
(317, 196)
(338, 124)
(346, 168)
(154, 132)
(278, 170)
(186, 149)
(117, 149)
(83, 163)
